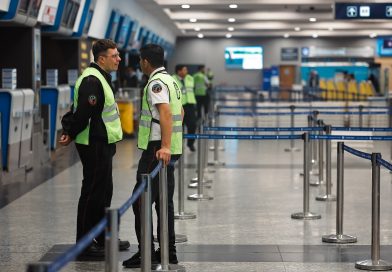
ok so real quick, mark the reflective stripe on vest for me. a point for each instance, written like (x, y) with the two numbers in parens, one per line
(110, 116)
(175, 107)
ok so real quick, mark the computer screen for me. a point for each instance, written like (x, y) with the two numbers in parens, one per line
(244, 57)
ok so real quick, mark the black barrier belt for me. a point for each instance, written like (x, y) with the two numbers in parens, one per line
(357, 153)
(374, 129)
(83, 243)
(300, 107)
(385, 164)
(302, 113)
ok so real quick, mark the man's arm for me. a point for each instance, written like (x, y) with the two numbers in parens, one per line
(166, 124)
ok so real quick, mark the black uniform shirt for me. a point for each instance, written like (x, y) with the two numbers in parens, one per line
(91, 100)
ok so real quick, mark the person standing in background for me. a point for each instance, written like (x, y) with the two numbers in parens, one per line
(186, 84)
(201, 84)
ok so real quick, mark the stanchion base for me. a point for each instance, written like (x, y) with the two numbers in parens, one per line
(315, 183)
(196, 184)
(212, 148)
(180, 238)
(306, 216)
(378, 265)
(171, 267)
(204, 180)
(184, 216)
(326, 198)
(216, 163)
(292, 149)
(339, 239)
(202, 197)
(210, 170)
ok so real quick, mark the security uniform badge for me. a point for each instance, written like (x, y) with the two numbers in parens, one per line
(92, 100)
(156, 88)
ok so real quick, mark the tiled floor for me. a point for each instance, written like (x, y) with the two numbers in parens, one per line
(246, 227)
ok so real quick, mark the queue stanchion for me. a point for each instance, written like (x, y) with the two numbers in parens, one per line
(200, 186)
(328, 150)
(182, 215)
(314, 143)
(164, 231)
(339, 237)
(37, 267)
(111, 240)
(292, 148)
(306, 214)
(146, 224)
(375, 263)
(216, 161)
(360, 116)
(320, 180)
(216, 119)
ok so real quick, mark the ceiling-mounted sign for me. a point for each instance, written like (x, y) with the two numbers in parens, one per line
(363, 11)
(289, 54)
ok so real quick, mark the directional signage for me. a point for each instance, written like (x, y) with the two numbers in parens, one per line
(363, 11)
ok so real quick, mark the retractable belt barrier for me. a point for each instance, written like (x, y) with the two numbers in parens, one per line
(110, 221)
(319, 128)
(302, 113)
(299, 107)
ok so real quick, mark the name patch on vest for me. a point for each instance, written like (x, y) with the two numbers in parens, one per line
(156, 88)
(92, 100)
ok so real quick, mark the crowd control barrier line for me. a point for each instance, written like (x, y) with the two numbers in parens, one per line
(339, 237)
(302, 113)
(111, 237)
(277, 129)
(292, 147)
(300, 107)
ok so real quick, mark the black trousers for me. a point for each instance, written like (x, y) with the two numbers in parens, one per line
(97, 186)
(147, 163)
(202, 101)
(190, 121)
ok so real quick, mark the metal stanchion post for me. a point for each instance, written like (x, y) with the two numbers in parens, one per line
(292, 124)
(111, 240)
(320, 180)
(216, 161)
(164, 232)
(328, 196)
(375, 264)
(181, 192)
(200, 187)
(221, 148)
(360, 116)
(306, 214)
(37, 267)
(339, 237)
(146, 225)
(314, 143)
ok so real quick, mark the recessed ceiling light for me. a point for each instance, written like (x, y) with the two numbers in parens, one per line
(315, 35)
(230, 28)
(373, 35)
(231, 20)
(233, 6)
(286, 35)
(330, 28)
(193, 20)
(297, 28)
(312, 19)
(185, 6)
(197, 28)
(228, 35)
(200, 36)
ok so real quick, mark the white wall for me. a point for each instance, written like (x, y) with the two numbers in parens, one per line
(103, 9)
(211, 53)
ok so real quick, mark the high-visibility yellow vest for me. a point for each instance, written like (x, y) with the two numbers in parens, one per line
(146, 119)
(188, 95)
(110, 115)
(200, 84)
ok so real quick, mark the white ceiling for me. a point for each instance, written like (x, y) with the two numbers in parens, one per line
(261, 18)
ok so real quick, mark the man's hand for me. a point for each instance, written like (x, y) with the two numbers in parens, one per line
(164, 155)
(65, 140)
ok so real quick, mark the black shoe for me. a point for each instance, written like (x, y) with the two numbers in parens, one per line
(172, 256)
(136, 260)
(94, 250)
(123, 245)
(192, 148)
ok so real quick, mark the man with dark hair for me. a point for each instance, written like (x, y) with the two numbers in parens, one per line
(95, 126)
(201, 84)
(160, 138)
(186, 84)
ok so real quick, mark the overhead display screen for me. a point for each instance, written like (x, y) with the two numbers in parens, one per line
(244, 57)
(363, 11)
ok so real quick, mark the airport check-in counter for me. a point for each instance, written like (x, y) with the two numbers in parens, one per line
(26, 152)
(11, 108)
(56, 100)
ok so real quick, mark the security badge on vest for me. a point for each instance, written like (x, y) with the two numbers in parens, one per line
(146, 118)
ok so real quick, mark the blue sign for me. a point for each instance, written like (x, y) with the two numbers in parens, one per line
(366, 11)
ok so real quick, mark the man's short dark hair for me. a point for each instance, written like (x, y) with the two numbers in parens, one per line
(179, 67)
(153, 53)
(100, 47)
(200, 67)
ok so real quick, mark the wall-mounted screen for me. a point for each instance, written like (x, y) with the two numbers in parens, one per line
(244, 57)
(384, 47)
(114, 20)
